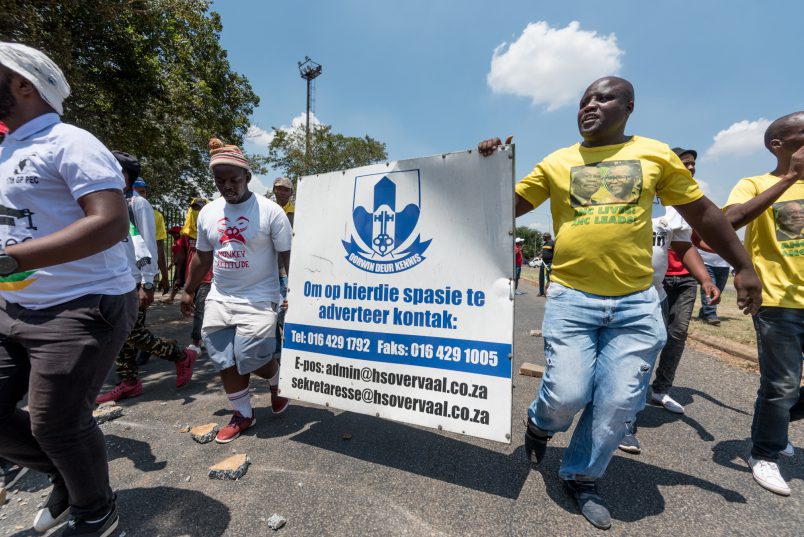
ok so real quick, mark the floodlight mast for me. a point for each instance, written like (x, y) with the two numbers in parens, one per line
(309, 71)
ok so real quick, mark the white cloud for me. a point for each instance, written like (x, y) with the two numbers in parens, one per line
(553, 66)
(540, 226)
(258, 135)
(299, 120)
(262, 137)
(740, 139)
(705, 188)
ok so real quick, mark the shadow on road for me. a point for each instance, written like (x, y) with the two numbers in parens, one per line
(167, 512)
(138, 452)
(686, 396)
(655, 416)
(406, 448)
(631, 488)
(733, 454)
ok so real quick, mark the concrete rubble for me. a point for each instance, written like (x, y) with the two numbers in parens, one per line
(276, 521)
(232, 468)
(107, 412)
(204, 433)
(531, 370)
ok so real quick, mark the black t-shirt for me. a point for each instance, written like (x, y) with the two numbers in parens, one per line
(547, 252)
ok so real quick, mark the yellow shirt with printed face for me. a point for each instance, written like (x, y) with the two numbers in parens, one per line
(600, 199)
(775, 240)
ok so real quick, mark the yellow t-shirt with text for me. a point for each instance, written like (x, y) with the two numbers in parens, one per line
(775, 240)
(161, 231)
(601, 202)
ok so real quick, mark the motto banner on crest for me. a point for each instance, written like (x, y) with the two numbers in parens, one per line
(401, 292)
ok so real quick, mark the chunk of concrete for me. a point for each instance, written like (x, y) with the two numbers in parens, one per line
(531, 370)
(232, 468)
(105, 413)
(204, 433)
(276, 521)
(536, 333)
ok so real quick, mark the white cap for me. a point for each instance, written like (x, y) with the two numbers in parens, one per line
(40, 70)
(519, 239)
(283, 181)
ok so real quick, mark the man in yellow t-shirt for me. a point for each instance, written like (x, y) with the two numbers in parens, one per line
(283, 194)
(771, 206)
(603, 325)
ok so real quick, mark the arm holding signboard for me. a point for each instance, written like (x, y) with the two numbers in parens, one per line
(486, 148)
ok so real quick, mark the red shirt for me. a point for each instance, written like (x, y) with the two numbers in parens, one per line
(190, 253)
(674, 265)
(518, 255)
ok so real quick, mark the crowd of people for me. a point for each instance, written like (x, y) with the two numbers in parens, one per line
(80, 263)
(614, 309)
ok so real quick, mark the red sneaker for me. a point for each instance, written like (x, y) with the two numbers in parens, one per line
(184, 367)
(124, 390)
(278, 404)
(235, 427)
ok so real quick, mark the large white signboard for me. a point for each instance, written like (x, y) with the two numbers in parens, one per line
(401, 293)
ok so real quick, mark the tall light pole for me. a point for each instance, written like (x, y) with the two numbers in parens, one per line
(309, 71)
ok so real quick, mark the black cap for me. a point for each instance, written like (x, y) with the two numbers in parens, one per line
(129, 163)
(680, 151)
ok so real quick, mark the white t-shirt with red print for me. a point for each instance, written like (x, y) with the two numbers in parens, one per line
(244, 238)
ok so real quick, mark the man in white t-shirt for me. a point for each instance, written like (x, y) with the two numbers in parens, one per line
(141, 247)
(718, 269)
(670, 231)
(67, 299)
(240, 235)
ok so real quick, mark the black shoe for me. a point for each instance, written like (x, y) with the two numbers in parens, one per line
(590, 503)
(11, 473)
(56, 508)
(630, 444)
(96, 528)
(714, 321)
(535, 442)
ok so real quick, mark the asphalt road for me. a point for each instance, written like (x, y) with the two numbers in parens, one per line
(392, 479)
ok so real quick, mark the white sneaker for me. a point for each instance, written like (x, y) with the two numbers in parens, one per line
(789, 451)
(667, 402)
(767, 474)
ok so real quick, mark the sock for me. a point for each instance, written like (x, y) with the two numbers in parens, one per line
(241, 402)
(274, 381)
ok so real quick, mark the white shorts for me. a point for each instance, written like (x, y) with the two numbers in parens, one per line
(239, 334)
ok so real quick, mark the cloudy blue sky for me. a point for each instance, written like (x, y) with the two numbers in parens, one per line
(427, 77)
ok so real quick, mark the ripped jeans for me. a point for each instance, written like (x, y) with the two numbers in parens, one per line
(600, 352)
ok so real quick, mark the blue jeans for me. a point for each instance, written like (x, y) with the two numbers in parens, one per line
(780, 342)
(599, 352)
(720, 276)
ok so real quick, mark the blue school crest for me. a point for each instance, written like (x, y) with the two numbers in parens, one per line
(385, 215)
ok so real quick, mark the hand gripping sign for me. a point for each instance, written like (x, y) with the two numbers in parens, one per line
(401, 291)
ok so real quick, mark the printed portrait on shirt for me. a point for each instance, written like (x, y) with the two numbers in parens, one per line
(606, 183)
(789, 219)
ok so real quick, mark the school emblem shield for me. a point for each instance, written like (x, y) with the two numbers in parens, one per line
(385, 217)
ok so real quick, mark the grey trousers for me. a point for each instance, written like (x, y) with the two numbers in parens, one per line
(60, 357)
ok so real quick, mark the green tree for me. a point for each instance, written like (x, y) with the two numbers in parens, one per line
(148, 77)
(329, 151)
(533, 241)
